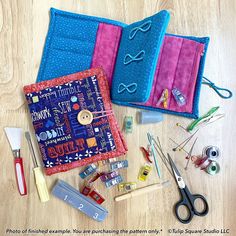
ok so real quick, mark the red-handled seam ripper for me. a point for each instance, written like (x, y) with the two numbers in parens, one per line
(14, 138)
(146, 154)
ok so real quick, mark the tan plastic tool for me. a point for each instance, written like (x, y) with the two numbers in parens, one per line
(141, 191)
(38, 174)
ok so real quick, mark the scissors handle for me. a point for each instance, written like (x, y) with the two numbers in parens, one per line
(190, 213)
(188, 201)
(205, 209)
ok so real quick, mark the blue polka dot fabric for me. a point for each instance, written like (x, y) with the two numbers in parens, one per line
(70, 43)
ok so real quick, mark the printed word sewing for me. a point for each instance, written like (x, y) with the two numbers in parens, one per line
(65, 107)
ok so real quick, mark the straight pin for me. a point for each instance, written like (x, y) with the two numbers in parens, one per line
(179, 125)
(184, 143)
(190, 154)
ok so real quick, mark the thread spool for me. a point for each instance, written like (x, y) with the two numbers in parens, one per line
(213, 168)
(212, 152)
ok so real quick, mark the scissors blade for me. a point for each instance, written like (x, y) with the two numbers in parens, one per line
(177, 175)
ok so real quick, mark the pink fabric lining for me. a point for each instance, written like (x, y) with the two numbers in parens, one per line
(177, 65)
(106, 47)
(177, 68)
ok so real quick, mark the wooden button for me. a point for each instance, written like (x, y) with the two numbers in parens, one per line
(85, 117)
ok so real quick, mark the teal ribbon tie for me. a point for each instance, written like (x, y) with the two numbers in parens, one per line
(217, 89)
(138, 57)
(130, 88)
(143, 28)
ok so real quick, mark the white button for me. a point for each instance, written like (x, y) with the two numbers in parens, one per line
(85, 117)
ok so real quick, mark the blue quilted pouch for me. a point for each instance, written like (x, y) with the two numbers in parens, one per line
(146, 68)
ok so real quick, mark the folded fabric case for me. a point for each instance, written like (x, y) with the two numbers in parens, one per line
(140, 60)
(73, 120)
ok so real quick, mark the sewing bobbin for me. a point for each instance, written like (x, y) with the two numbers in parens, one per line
(213, 168)
(212, 152)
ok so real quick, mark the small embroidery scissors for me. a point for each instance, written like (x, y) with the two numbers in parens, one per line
(188, 200)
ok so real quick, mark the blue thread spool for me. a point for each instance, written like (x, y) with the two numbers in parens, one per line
(148, 117)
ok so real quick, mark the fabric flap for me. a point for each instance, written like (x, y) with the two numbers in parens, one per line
(137, 58)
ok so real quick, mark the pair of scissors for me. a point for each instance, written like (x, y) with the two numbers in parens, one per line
(188, 200)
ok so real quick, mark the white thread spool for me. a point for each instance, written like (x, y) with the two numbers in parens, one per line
(212, 152)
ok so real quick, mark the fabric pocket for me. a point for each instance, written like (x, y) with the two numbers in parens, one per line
(177, 67)
(69, 45)
(59, 62)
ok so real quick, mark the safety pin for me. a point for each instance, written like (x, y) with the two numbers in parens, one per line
(205, 118)
(211, 120)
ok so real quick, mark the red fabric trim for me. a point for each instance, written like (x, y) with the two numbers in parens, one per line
(121, 147)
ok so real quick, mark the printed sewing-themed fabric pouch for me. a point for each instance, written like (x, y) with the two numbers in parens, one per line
(73, 120)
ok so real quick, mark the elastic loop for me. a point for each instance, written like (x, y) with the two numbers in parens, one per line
(138, 57)
(217, 89)
(131, 88)
(143, 28)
